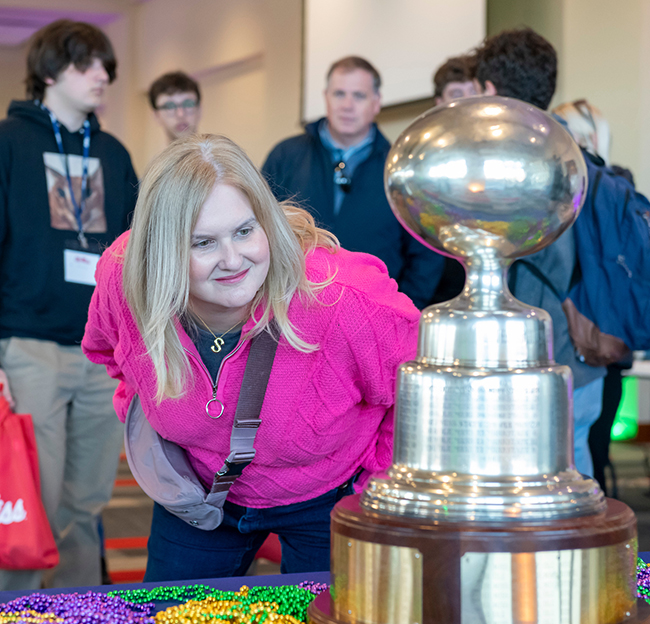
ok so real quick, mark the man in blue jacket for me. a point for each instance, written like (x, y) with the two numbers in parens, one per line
(336, 171)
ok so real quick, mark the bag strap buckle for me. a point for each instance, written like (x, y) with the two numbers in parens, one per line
(235, 463)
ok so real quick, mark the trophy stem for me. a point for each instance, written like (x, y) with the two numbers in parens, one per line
(486, 284)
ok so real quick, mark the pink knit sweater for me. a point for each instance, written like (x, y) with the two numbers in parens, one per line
(326, 414)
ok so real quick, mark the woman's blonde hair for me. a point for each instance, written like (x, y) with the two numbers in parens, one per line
(157, 258)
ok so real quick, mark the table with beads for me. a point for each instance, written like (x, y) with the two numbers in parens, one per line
(258, 600)
(281, 599)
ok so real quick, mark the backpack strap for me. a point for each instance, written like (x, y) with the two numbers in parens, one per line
(249, 407)
(541, 277)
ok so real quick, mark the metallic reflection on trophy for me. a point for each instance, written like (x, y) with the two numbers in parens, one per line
(482, 516)
(484, 418)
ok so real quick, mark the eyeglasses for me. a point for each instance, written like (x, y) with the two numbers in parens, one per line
(170, 108)
(344, 181)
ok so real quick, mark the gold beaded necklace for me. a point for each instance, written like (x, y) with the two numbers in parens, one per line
(218, 340)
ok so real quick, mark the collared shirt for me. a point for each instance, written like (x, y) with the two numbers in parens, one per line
(351, 156)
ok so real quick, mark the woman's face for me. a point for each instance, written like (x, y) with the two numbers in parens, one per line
(229, 258)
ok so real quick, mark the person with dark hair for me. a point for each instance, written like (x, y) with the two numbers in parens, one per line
(61, 44)
(454, 79)
(336, 171)
(519, 64)
(176, 102)
(523, 65)
(66, 192)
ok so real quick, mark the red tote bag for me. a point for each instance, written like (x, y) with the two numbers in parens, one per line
(26, 541)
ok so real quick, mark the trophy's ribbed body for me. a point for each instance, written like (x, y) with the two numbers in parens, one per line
(482, 517)
(483, 416)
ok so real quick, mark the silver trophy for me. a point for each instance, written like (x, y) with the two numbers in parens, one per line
(483, 423)
(482, 516)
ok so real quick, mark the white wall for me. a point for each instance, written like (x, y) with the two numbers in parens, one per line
(12, 74)
(606, 61)
(246, 55)
(404, 40)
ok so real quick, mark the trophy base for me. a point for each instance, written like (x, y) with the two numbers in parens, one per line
(320, 612)
(401, 570)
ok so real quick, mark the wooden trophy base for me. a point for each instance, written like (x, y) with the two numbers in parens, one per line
(393, 570)
(320, 612)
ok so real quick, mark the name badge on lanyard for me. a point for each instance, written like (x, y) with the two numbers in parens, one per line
(79, 260)
(79, 267)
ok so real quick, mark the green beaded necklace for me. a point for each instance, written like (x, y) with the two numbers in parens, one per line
(180, 593)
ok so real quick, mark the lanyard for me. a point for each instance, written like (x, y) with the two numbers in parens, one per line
(78, 207)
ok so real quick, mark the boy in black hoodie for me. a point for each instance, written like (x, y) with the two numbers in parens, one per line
(66, 192)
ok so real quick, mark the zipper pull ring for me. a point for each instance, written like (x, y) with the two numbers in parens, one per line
(214, 400)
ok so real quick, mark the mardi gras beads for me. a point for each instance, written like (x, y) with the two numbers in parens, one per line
(29, 617)
(290, 599)
(280, 605)
(180, 593)
(313, 587)
(77, 608)
(233, 611)
(642, 579)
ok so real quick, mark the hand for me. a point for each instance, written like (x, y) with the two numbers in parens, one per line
(4, 388)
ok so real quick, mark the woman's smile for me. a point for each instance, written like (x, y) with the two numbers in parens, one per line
(233, 279)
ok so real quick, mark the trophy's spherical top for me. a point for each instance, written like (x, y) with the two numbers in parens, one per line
(486, 172)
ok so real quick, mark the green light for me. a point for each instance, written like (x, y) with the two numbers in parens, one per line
(626, 423)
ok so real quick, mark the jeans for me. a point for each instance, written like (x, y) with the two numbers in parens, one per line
(178, 551)
(587, 405)
(600, 433)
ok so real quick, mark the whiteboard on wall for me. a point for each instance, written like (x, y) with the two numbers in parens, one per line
(406, 40)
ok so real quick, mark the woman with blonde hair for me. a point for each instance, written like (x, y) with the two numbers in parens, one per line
(212, 263)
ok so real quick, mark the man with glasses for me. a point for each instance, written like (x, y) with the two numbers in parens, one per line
(454, 80)
(336, 171)
(176, 101)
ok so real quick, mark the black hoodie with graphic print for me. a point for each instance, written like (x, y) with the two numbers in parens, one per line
(37, 220)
